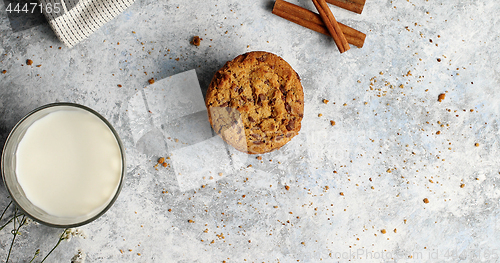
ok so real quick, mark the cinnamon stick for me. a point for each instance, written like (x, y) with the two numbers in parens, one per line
(311, 20)
(332, 25)
(351, 5)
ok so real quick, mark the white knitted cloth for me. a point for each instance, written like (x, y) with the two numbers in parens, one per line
(75, 20)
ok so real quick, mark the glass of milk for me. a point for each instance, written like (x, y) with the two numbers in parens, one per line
(63, 165)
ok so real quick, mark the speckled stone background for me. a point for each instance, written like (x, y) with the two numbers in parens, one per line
(355, 190)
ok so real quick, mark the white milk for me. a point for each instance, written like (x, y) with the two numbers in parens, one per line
(69, 163)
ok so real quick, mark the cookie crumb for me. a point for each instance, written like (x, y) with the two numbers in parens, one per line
(29, 62)
(196, 41)
(190, 221)
(462, 185)
(395, 230)
(287, 187)
(332, 123)
(119, 85)
(426, 200)
(325, 101)
(341, 193)
(476, 144)
(4, 71)
(151, 81)
(259, 158)
(161, 160)
(438, 132)
(319, 115)
(441, 97)
(383, 231)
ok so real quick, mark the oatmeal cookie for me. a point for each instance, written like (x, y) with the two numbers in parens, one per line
(256, 102)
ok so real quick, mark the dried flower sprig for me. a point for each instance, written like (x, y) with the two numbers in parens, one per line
(36, 255)
(15, 231)
(5, 210)
(67, 234)
(79, 257)
(61, 238)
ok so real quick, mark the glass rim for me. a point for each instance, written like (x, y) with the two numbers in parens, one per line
(122, 153)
